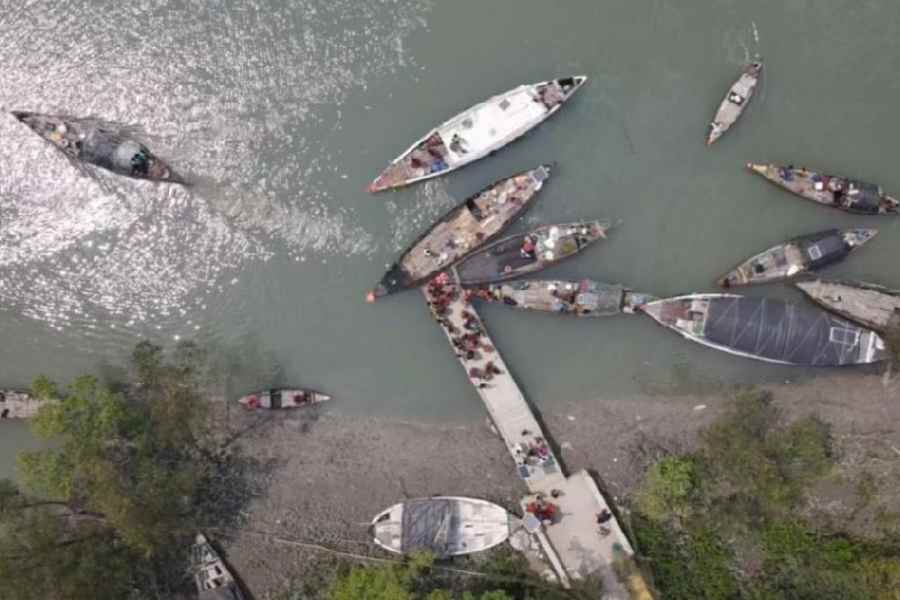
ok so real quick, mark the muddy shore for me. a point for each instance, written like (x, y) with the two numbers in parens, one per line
(331, 473)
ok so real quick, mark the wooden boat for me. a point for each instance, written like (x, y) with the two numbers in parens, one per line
(282, 398)
(528, 252)
(851, 195)
(585, 298)
(443, 525)
(105, 145)
(735, 101)
(213, 579)
(18, 405)
(874, 306)
(477, 132)
(768, 329)
(800, 255)
(462, 230)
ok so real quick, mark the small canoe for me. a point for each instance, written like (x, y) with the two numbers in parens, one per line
(525, 253)
(768, 329)
(462, 230)
(800, 255)
(874, 306)
(444, 526)
(18, 405)
(282, 398)
(102, 144)
(213, 579)
(477, 132)
(851, 195)
(583, 298)
(735, 102)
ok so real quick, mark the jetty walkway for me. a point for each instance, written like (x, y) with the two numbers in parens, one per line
(575, 544)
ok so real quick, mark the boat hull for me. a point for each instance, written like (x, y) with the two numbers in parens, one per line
(93, 142)
(850, 195)
(462, 230)
(871, 305)
(443, 525)
(212, 578)
(800, 255)
(735, 102)
(529, 252)
(282, 398)
(768, 329)
(477, 132)
(583, 298)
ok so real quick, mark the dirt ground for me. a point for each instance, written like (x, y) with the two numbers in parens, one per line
(333, 473)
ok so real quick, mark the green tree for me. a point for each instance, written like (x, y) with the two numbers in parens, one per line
(109, 508)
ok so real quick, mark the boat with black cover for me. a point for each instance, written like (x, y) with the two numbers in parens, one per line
(768, 329)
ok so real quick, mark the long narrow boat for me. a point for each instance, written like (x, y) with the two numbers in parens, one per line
(850, 195)
(105, 145)
(19, 405)
(585, 298)
(735, 101)
(213, 579)
(477, 132)
(768, 329)
(871, 305)
(282, 398)
(462, 230)
(443, 525)
(796, 256)
(528, 252)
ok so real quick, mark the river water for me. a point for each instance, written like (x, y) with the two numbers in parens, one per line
(284, 111)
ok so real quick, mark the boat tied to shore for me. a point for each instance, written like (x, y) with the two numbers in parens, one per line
(477, 132)
(799, 255)
(585, 298)
(213, 579)
(462, 230)
(443, 525)
(282, 398)
(524, 253)
(15, 404)
(735, 102)
(850, 195)
(874, 306)
(768, 329)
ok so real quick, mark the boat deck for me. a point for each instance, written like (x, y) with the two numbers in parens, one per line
(574, 542)
(18, 405)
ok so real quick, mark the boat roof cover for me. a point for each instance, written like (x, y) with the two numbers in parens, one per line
(824, 248)
(781, 331)
(427, 525)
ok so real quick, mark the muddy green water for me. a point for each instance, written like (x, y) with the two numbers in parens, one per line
(285, 110)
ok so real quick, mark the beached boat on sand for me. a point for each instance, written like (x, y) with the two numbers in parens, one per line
(800, 255)
(851, 195)
(735, 102)
(213, 579)
(871, 305)
(462, 230)
(106, 145)
(768, 329)
(583, 298)
(477, 132)
(443, 525)
(528, 252)
(282, 398)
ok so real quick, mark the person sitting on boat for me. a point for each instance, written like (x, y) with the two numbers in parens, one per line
(456, 144)
(301, 398)
(736, 98)
(528, 248)
(140, 163)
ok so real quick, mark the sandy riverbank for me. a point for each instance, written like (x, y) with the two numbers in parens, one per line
(333, 473)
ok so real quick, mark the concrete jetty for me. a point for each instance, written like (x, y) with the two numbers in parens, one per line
(575, 543)
(18, 405)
